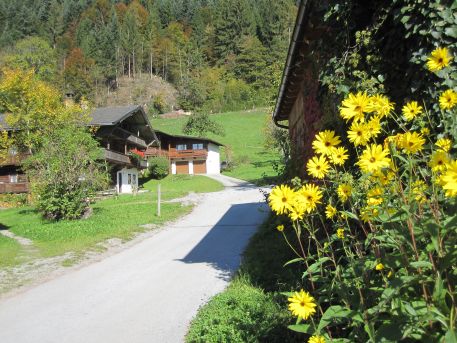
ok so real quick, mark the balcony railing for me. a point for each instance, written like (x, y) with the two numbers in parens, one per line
(13, 160)
(188, 153)
(117, 157)
(18, 187)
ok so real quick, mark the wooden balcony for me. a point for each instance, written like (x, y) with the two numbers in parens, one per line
(117, 157)
(17, 187)
(13, 160)
(188, 153)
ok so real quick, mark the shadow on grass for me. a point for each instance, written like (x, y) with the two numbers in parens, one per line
(28, 211)
(224, 243)
(4, 227)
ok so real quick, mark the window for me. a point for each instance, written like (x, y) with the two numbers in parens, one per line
(181, 146)
(134, 179)
(13, 178)
(129, 179)
(197, 146)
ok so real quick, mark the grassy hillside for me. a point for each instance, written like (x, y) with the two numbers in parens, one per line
(244, 134)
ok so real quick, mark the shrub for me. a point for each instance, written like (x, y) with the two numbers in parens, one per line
(65, 173)
(158, 167)
(13, 200)
(243, 313)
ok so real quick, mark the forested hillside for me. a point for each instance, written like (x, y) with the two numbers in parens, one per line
(219, 54)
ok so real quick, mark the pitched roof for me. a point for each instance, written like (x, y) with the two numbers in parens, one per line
(292, 74)
(111, 115)
(189, 137)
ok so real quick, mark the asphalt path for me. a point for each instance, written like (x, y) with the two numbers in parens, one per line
(148, 292)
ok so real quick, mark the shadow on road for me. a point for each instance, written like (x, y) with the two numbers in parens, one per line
(224, 243)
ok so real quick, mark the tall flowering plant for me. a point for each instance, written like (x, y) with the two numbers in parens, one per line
(378, 240)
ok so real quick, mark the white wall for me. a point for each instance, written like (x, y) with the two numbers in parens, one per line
(126, 187)
(213, 162)
(191, 167)
(173, 167)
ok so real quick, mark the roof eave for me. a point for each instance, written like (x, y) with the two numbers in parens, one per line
(294, 49)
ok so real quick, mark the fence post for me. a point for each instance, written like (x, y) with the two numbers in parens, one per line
(158, 200)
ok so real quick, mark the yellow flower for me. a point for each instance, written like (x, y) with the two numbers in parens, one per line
(381, 105)
(316, 339)
(325, 142)
(318, 167)
(311, 195)
(444, 144)
(439, 160)
(344, 191)
(383, 178)
(358, 134)
(374, 158)
(411, 110)
(412, 142)
(340, 233)
(379, 267)
(302, 304)
(354, 107)
(298, 209)
(280, 228)
(449, 179)
(425, 131)
(375, 196)
(374, 127)
(339, 156)
(439, 59)
(448, 99)
(330, 211)
(418, 189)
(368, 213)
(390, 274)
(281, 198)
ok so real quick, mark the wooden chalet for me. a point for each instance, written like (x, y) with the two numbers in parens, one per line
(188, 155)
(298, 108)
(120, 130)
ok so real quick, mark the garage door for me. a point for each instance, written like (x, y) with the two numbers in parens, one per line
(182, 167)
(199, 167)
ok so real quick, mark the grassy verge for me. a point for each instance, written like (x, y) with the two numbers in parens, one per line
(118, 217)
(10, 252)
(244, 134)
(176, 186)
(251, 309)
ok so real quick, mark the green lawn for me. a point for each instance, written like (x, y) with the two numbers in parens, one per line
(119, 217)
(244, 134)
(176, 186)
(10, 252)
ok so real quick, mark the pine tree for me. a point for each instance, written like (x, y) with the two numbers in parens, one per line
(234, 19)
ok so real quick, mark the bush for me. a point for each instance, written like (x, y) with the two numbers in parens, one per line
(12, 200)
(158, 167)
(65, 173)
(243, 313)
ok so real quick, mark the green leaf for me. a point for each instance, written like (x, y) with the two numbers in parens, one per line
(451, 337)
(421, 264)
(350, 215)
(315, 266)
(303, 328)
(451, 31)
(337, 312)
(295, 260)
(391, 332)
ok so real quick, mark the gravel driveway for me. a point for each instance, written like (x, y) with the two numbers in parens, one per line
(148, 292)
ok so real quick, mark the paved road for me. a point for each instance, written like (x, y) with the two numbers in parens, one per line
(148, 292)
